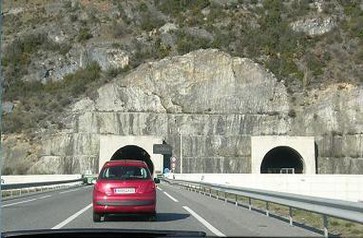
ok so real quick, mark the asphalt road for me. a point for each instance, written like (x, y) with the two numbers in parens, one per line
(177, 209)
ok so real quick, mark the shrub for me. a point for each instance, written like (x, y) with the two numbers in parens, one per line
(84, 34)
(187, 43)
(150, 21)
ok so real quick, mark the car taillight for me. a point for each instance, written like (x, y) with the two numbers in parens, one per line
(99, 187)
(150, 187)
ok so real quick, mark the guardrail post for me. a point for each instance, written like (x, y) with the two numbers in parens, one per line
(249, 204)
(217, 195)
(225, 197)
(236, 200)
(326, 233)
(290, 216)
(267, 208)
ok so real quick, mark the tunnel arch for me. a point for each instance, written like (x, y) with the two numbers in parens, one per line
(133, 152)
(282, 157)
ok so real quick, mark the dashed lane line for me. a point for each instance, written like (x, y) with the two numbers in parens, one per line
(167, 194)
(68, 191)
(46, 196)
(71, 218)
(204, 222)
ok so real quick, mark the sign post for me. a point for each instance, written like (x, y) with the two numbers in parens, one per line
(172, 163)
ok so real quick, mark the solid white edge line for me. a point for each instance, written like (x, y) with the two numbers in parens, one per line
(71, 218)
(204, 222)
(25, 201)
(159, 189)
(16, 203)
(167, 194)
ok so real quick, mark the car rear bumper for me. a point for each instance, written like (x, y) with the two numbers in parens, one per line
(124, 206)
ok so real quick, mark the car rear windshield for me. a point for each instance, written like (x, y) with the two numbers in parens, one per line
(125, 173)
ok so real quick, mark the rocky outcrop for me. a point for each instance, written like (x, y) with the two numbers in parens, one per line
(314, 26)
(217, 102)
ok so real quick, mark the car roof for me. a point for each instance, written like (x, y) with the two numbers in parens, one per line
(125, 162)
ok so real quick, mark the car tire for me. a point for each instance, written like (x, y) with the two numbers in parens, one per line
(96, 217)
(152, 217)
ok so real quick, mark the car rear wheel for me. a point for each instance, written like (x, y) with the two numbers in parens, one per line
(152, 217)
(96, 217)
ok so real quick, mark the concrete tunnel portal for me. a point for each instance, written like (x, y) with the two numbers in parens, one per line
(133, 152)
(283, 154)
(280, 158)
(114, 147)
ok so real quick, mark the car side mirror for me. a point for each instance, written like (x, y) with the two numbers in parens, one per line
(156, 180)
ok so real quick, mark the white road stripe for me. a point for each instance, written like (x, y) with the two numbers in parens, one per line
(159, 188)
(68, 191)
(16, 203)
(25, 201)
(46, 196)
(167, 194)
(71, 218)
(204, 222)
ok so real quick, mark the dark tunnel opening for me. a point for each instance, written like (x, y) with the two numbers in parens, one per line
(282, 158)
(133, 152)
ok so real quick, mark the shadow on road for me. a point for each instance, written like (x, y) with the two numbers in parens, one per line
(160, 217)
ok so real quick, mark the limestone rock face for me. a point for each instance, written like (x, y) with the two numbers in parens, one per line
(217, 102)
(205, 81)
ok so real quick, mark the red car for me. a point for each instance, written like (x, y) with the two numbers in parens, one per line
(124, 187)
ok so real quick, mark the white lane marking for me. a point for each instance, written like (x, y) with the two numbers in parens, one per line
(71, 218)
(204, 222)
(25, 201)
(159, 188)
(46, 196)
(68, 191)
(167, 194)
(16, 203)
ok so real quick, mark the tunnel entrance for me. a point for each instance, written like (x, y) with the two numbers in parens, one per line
(282, 159)
(133, 152)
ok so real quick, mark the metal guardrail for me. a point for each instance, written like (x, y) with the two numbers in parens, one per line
(37, 184)
(350, 211)
(21, 188)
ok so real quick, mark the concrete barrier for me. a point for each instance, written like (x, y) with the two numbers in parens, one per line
(343, 187)
(15, 179)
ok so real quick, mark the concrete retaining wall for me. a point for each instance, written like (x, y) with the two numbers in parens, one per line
(343, 187)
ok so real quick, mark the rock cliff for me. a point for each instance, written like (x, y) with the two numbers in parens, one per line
(217, 102)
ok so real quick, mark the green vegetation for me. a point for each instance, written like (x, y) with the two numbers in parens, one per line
(177, 7)
(84, 34)
(38, 103)
(249, 29)
(187, 43)
(17, 56)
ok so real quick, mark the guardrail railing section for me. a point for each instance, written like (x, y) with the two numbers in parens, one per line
(263, 201)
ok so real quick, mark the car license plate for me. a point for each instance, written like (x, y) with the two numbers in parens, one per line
(124, 190)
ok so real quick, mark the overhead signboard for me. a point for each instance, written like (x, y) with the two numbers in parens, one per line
(163, 149)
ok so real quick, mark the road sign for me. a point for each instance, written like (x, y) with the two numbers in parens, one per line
(163, 149)
(173, 159)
